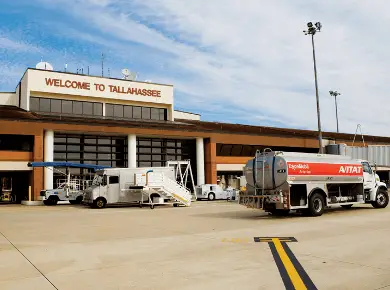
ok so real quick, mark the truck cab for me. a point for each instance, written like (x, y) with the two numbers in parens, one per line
(373, 187)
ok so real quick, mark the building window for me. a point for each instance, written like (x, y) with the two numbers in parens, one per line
(69, 107)
(135, 112)
(250, 150)
(16, 142)
(155, 152)
(88, 149)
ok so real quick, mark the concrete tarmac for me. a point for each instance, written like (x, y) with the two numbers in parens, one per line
(209, 245)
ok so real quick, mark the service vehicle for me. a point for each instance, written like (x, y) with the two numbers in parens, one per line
(69, 189)
(124, 186)
(278, 182)
(214, 191)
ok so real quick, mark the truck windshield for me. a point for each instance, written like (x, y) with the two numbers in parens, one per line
(367, 167)
(97, 180)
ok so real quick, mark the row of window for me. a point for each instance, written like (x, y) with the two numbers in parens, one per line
(250, 150)
(91, 149)
(59, 106)
(135, 112)
(70, 107)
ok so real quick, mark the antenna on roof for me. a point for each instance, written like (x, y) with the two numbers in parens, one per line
(88, 70)
(361, 132)
(109, 72)
(44, 65)
(66, 65)
(102, 64)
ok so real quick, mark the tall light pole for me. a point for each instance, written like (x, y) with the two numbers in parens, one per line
(312, 30)
(335, 94)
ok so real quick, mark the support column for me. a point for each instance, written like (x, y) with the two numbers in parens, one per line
(132, 151)
(211, 164)
(37, 172)
(200, 175)
(48, 157)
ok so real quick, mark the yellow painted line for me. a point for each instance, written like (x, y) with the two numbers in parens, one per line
(291, 271)
(180, 198)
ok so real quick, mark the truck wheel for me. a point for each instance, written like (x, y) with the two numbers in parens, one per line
(79, 199)
(46, 202)
(99, 203)
(382, 199)
(52, 200)
(211, 196)
(316, 205)
(72, 201)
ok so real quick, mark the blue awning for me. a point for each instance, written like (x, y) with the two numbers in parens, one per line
(66, 164)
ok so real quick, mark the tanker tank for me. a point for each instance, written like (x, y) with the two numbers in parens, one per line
(279, 166)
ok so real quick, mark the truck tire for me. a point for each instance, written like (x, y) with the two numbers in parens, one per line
(100, 202)
(316, 205)
(52, 200)
(381, 200)
(211, 196)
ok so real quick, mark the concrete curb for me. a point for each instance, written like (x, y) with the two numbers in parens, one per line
(31, 202)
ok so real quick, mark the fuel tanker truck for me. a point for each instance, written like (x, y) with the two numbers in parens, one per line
(279, 182)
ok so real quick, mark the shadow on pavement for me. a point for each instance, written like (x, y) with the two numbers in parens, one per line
(261, 215)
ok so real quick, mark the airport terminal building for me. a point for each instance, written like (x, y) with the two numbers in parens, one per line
(60, 116)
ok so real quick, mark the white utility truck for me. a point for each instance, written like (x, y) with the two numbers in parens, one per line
(122, 186)
(278, 182)
(214, 191)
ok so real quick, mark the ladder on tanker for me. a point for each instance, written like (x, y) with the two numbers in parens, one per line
(261, 158)
(169, 188)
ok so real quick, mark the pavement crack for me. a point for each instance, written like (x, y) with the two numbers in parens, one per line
(28, 260)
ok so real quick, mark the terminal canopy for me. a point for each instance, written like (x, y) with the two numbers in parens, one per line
(66, 164)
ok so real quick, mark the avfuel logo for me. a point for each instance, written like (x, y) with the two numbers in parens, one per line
(350, 169)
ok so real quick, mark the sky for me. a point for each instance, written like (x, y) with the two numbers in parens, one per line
(245, 62)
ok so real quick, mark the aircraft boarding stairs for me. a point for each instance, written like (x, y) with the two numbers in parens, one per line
(169, 188)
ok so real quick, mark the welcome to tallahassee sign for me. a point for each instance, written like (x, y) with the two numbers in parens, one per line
(51, 82)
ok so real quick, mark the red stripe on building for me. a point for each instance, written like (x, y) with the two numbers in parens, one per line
(307, 168)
